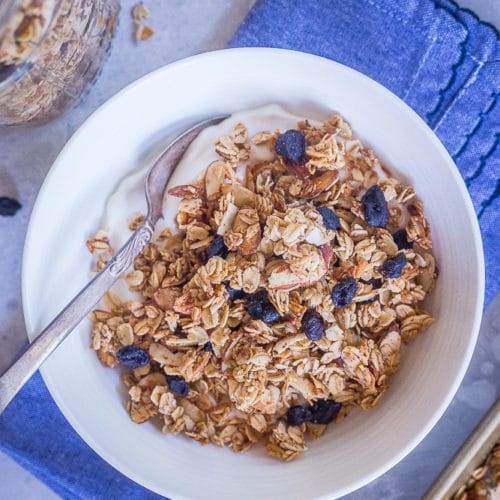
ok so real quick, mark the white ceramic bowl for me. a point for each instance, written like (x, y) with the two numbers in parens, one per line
(128, 130)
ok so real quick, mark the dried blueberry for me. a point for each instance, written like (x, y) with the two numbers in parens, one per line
(291, 145)
(313, 325)
(218, 248)
(297, 415)
(178, 385)
(401, 239)
(324, 411)
(376, 283)
(260, 307)
(234, 293)
(6, 70)
(8, 206)
(208, 347)
(376, 211)
(132, 356)
(344, 291)
(179, 332)
(330, 218)
(393, 267)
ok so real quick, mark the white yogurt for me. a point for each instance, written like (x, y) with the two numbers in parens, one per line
(129, 199)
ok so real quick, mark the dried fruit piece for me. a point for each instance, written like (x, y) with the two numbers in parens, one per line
(6, 70)
(330, 218)
(313, 325)
(279, 362)
(178, 385)
(234, 293)
(217, 248)
(376, 210)
(260, 307)
(344, 292)
(393, 267)
(401, 239)
(291, 145)
(297, 415)
(324, 411)
(132, 356)
(375, 283)
(8, 206)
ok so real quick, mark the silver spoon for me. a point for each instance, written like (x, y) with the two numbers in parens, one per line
(41, 348)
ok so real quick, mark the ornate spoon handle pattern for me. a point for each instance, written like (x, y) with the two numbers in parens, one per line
(41, 348)
(134, 246)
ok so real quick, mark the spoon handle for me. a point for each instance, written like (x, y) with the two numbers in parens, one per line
(40, 349)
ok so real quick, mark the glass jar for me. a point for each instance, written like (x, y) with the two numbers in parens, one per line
(50, 52)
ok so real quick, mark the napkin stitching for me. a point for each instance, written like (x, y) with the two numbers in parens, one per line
(454, 68)
(421, 65)
(484, 113)
(397, 18)
(458, 94)
(485, 205)
(482, 163)
(456, 12)
(473, 14)
(493, 61)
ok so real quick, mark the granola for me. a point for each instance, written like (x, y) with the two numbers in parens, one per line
(275, 308)
(24, 30)
(142, 31)
(484, 482)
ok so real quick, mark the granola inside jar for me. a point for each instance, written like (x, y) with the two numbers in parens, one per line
(50, 51)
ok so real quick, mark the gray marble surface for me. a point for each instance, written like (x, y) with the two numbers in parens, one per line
(186, 27)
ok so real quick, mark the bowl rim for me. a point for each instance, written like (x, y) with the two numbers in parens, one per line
(57, 165)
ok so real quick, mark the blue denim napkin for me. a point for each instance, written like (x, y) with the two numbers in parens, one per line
(440, 59)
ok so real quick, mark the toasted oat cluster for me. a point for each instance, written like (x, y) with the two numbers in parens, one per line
(484, 482)
(283, 298)
(142, 31)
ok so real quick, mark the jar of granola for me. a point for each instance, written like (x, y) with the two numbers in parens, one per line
(50, 51)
